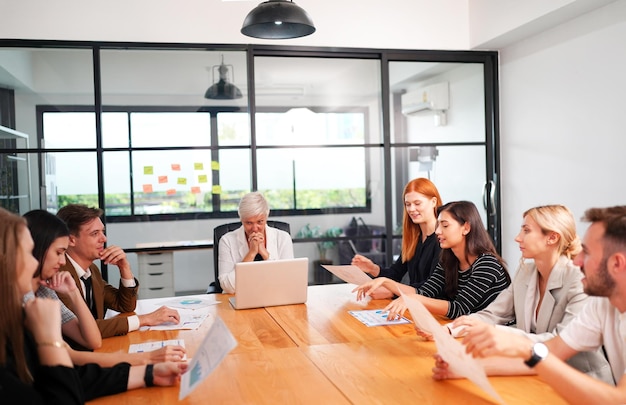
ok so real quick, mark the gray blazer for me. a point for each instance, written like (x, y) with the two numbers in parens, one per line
(563, 299)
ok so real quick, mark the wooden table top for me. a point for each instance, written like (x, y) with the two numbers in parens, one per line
(318, 353)
(398, 371)
(325, 319)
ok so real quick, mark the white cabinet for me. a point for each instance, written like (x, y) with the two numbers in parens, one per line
(14, 172)
(156, 274)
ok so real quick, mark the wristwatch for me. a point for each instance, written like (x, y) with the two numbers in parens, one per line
(539, 352)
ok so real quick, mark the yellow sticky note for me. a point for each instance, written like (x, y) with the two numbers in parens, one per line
(215, 165)
(182, 180)
(195, 190)
(198, 166)
(202, 178)
(147, 188)
(162, 179)
(176, 167)
(148, 170)
(216, 189)
(170, 191)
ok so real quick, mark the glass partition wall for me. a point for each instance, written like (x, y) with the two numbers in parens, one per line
(167, 139)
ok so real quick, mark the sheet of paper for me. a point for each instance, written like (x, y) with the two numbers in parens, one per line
(376, 317)
(215, 346)
(193, 310)
(348, 273)
(190, 302)
(449, 349)
(151, 346)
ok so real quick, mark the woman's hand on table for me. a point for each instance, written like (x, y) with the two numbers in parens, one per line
(367, 289)
(396, 309)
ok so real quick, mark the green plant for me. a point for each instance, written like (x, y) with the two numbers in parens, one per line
(315, 232)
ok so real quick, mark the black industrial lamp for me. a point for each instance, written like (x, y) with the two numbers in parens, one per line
(277, 19)
(223, 89)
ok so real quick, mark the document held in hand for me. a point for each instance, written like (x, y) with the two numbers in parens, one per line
(449, 349)
(215, 346)
(348, 273)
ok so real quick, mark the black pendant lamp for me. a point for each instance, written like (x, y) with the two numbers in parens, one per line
(277, 19)
(223, 89)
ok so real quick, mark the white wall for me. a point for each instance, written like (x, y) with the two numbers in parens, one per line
(562, 119)
(495, 24)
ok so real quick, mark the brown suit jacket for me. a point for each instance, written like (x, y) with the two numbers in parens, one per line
(120, 299)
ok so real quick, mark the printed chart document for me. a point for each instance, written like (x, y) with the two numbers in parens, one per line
(376, 317)
(215, 346)
(151, 346)
(348, 273)
(192, 309)
(449, 349)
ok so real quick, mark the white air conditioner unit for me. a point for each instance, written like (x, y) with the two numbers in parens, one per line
(432, 98)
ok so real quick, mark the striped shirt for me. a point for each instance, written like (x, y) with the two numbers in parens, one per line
(45, 292)
(478, 286)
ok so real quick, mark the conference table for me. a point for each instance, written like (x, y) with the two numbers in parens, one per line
(318, 352)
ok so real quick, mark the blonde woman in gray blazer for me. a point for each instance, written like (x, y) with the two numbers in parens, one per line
(546, 292)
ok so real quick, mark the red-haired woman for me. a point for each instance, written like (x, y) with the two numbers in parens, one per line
(420, 248)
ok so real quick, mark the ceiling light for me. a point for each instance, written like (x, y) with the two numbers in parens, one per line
(223, 89)
(277, 19)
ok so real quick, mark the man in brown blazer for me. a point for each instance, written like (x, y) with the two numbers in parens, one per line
(87, 243)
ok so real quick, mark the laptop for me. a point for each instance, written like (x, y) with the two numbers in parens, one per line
(270, 282)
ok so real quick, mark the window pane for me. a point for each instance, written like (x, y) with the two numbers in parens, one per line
(320, 103)
(235, 174)
(457, 171)
(115, 130)
(40, 78)
(69, 130)
(15, 176)
(173, 77)
(170, 129)
(302, 126)
(437, 102)
(308, 178)
(71, 177)
(116, 166)
(233, 129)
(172, 181)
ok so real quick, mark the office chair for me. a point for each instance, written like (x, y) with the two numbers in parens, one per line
(221, 230)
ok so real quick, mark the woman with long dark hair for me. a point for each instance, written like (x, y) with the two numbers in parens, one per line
(51, 238)
(470, 273)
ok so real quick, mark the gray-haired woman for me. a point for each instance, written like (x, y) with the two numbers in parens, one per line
(253, 241)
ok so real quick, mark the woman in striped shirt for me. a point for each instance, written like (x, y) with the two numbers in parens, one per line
(470, 273)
